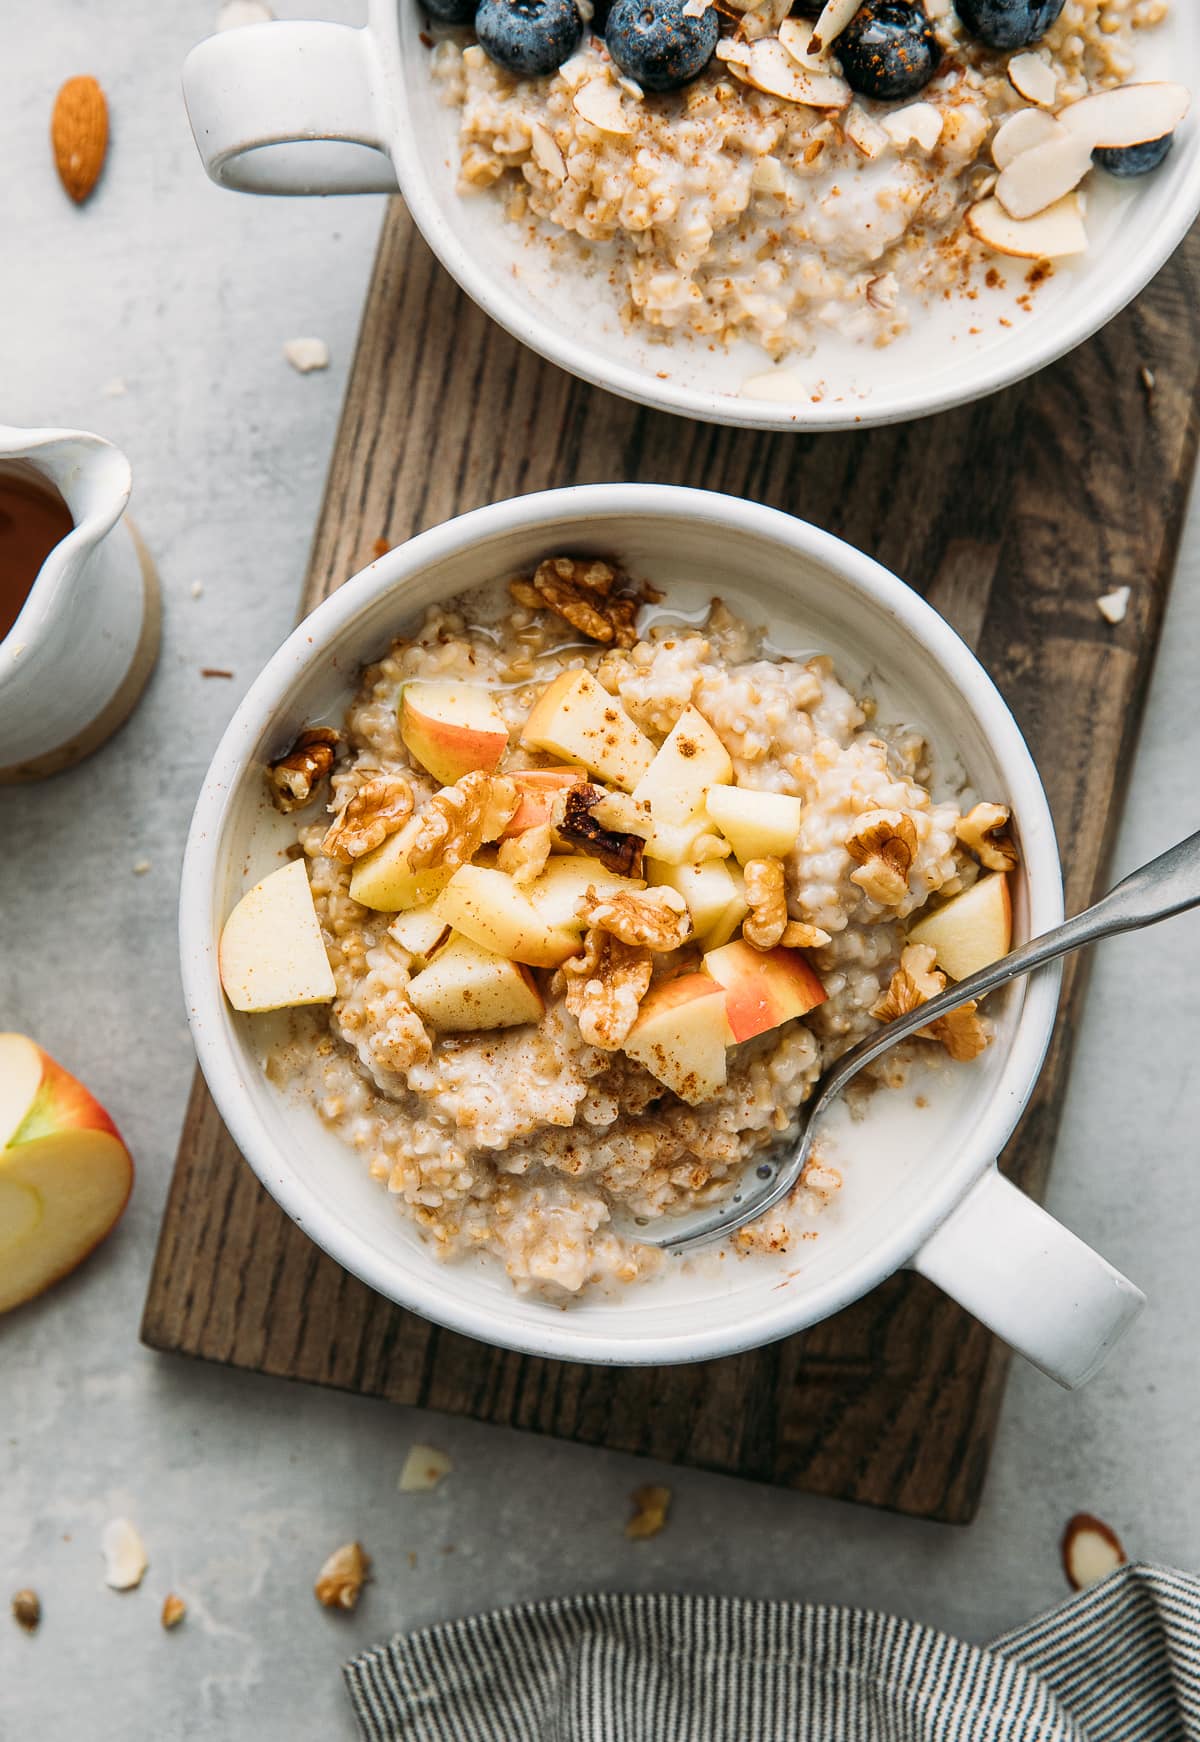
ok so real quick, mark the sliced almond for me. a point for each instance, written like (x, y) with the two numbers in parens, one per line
(1024, 131)
(124, 1552)
(769, 67)
(600, 103)
(865, 135)
(1091, 1550)
(1033, 78)
(543, 148)
(1035, 179)
(1052, 235)
(1127, 114)
(918, 124)
(423, 1469)
(835, 16)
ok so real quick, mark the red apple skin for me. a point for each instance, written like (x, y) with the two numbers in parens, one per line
(61, 1104)
(446, 749)
(537, 787)
(763, 988)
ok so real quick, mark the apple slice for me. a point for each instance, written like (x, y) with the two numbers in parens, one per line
(487, 907)
(757, 825)
(272, 954)
(672, 843)
(724, 927)
(65, 1175)
(575, 716)
(971, 930)
(681, 1034)
(385, 881)
(711, 890)
(452, 729)
(537, 788)
(763, 988)
(556, 894)
(692, 758)
(465, 987)
(419, 931)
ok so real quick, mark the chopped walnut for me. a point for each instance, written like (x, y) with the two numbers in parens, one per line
(766, 892)
(798, 935)
(27, 1610)
(378, 809)
(294, 778)
(655, 919)
(962, 1031)
(883, 844)
(524, 856)
(455, 822)
(914, 982)
(984, 832)
(340, 1581)
(617, 849)
(173, 1611)
(651, 1505)
(604, 987)
(580, 590)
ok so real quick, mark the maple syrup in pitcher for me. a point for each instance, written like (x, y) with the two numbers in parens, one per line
(33, 519)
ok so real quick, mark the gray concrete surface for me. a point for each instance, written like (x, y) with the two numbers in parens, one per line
(240, 1486)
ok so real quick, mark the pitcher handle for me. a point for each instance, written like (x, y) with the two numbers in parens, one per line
(290, 108)
(1030, 1280)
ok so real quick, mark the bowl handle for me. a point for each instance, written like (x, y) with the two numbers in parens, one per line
(1030, 1280)
(289, 108)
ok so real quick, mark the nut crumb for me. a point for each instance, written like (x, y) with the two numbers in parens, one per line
(1113, 606)
(651, 1506)
(341, 1579)
(1090, 1550)
(984, 832)
(379, 808)
(424, 1468)
(214, 671)
(125, 1560)
(884, 844)
(1148, 380)
(380, 548)
(27, 1609)
(140, 867)
(294, 777)
(173, 1611)
(115, 388)
(197, 589)
(305, 355)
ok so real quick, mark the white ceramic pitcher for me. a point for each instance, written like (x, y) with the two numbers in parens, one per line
(78, 656)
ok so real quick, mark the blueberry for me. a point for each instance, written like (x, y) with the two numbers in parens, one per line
(1128, 160)
(888, 49)
(528, 37)
(651, 41)
(451, 11)
(1008, 23)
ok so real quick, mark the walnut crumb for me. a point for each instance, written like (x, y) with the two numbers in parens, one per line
(651, 1506)
(173, 1611)
(767, 920)
(604, 987)
(27, 1609)
(294, 778)
(378, 809)
(581, 590)
(655, 919)
(453, 825)
(341, 1579)
(799, 935)
(883, 844)
(914, 983)
(984, 832)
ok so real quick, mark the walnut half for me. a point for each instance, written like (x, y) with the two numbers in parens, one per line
(294, 778)
(654, 919)
(767, 920)
(605, 986)
(378, 809)
(883, 844)
(984, 832)
(581, 590)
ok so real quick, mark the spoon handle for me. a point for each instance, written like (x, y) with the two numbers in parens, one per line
(1167, 885)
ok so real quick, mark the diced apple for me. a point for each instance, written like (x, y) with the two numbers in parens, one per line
(757, 825)
(556, 894)
(466, 987)
(763, 988)
(729, 921)
(487, 907)
(419, 931)
(681, 1034)
(711, 890)
(384, 880)
(272, 954)
(452, 728)
(65, 1175)
(972, 930)
(537, 789)
(692, 758)
(576, 717)
(671, 843)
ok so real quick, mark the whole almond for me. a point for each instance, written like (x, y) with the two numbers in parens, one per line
(79, 135)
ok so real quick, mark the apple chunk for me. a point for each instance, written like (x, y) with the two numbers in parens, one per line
(556, 894)
(972, 930)
(692, 759)
(575, 716)
(272, 954)
(466, 988)
(712, 890)
(65, 1175)
(763, 988)
(757, 825)
(681, 1034)
(420, 931)
(384, 880)
(487, 907)
(452, 729)
(537, 789)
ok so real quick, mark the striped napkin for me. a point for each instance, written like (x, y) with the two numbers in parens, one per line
(1120, 1662)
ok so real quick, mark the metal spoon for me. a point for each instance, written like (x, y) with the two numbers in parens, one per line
(1168, 885)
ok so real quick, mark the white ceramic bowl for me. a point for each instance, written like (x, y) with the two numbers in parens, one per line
(937, 1202)
(322, 108)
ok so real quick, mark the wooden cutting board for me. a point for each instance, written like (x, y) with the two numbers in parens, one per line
(1012, 517)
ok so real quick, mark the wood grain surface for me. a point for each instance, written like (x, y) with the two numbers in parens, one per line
(1011, 516)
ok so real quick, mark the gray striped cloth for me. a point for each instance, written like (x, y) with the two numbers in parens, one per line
(1117, 1663)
